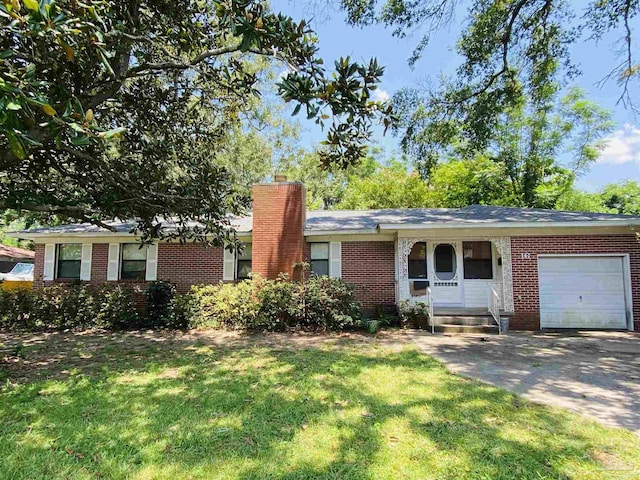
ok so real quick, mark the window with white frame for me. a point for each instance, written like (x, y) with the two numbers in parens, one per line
(133, 261)
(478, 261)
(320, 259)
(69, 261)
(243, 265)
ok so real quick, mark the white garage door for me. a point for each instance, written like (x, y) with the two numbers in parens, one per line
(582, 292)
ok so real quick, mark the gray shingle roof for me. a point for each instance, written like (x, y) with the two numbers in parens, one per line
(471, 215)
(352, 220)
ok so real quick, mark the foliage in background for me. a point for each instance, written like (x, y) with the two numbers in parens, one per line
(389, 186)
(538, 146)
(622, 197)
(457, 184)
(115, 109)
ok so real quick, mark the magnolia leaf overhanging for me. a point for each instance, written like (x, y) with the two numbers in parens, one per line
(114, 110)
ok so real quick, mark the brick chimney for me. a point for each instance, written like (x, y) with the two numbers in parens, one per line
(278, 227)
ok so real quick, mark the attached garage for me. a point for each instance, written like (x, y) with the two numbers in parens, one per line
(584, 291)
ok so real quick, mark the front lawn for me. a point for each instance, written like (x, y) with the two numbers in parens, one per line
(104, 405)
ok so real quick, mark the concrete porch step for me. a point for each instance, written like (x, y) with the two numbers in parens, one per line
(467, 320)
(449, 328)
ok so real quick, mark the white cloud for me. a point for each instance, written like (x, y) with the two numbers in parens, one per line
(380, 95)
(623, 146)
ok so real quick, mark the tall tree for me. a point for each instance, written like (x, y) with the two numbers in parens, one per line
(388, 186)
(622, 197)
(540, 145)
(508, 49)
(114, 109)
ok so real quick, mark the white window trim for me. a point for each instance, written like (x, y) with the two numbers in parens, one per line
(238, 259)
(56, 262)
(328, 259)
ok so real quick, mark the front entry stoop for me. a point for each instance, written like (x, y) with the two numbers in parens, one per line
(451, 321)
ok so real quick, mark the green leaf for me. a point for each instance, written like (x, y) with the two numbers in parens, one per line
(114, 133)
(80, 140)
(105, 62)
(31, 5)
(16, 146)
(14, 106)
(77, 127)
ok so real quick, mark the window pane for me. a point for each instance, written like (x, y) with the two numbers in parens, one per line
(417, 269)
(319, 251)
(418, 251)
(70, 251)
(246, 255)
(132, 251)
(244, 269)
(478, 269)
(445, 261)
(69, 269)
(320, 267)
(478, 262)
(418, 261)
(133, 269)
(477, 250)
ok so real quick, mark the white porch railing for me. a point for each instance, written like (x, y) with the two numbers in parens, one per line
(430, 306)
(494, 305)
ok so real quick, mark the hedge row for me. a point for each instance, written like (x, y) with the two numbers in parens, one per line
(320, 303)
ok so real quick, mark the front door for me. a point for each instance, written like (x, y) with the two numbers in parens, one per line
(445, 272)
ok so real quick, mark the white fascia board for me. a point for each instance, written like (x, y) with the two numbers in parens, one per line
(322, 233)
(32, 236)
(439, 225)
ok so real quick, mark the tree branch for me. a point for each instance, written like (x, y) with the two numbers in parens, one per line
(144, 67)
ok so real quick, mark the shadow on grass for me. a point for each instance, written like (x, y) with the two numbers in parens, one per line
(255, 410)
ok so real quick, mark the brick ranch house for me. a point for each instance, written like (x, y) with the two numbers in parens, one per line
(542, 268)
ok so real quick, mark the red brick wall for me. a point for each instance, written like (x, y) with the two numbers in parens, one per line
(525, 271)
(370, 267)
(278, 223)
(189, 264)
(99, 262)
(183, 265)
(38, 265)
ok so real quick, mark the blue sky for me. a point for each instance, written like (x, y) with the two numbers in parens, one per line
(619, 161)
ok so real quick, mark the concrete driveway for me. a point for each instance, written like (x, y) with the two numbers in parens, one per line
(594, 373)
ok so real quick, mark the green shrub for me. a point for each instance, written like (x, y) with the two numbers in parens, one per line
(164, 308)
(329, 303)
(116, 308)
(17, 309)
(320, 303)
(225, 305)
(414, 314)
(62, 307)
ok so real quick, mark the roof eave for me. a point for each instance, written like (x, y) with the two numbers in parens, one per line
(536, 224)
(344, 231)
(34, 235)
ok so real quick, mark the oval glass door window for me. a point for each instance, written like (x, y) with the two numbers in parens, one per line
(445, 261)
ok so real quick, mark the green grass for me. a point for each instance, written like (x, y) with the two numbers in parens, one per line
(124, 406)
